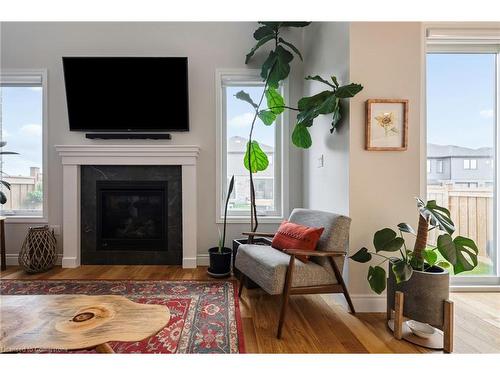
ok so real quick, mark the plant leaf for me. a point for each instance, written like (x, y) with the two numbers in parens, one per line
(335, 118)
(309, 102)
(3, 198)
(319, 79)
(2, 143)
(301, 137)
(275, 101)
(259, 44)
(430, 257)
(277, 66)
(361, 256)
(443, 264)
(335, 82)
(258, 158)
(267, 117)
(460, 252)
(262, 31)
(407, 228)
(294, 24)
(377, 279)
(348, 91)
(9, 153)
(242, 95)
(5, 183)
(291, 46)
(402, 270)
(387, 240)
(436, 216)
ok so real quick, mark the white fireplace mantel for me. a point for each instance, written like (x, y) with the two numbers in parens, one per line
(73, 156)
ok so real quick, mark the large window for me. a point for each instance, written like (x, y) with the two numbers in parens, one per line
(462, 131)
(234, 121)
(21, 128)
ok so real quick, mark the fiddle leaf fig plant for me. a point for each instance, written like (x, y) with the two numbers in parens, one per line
(459, 252)
(274, 69)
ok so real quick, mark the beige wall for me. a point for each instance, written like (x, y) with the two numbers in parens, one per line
(387, 58)
(208, 46)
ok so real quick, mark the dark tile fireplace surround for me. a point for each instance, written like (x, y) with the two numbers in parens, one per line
(131, 214)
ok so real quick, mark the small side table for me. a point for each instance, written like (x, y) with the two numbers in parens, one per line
(3, 267)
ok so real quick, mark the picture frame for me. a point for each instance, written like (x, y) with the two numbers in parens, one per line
(386, 125)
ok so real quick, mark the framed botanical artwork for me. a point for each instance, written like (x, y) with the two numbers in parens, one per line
(386, 125)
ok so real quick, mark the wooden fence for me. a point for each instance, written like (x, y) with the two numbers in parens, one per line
(471, 210)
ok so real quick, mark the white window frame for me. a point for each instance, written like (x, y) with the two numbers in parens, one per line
(280, 153)
(466, 164)
(439, 166)
(30, 77)
(472, 44)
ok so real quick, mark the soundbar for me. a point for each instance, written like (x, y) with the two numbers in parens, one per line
(128, 136)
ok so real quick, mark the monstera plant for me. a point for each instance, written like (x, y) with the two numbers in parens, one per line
(3, 197)
(275, 69)
(458, 252)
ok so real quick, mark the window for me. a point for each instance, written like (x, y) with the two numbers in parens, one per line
(428, 166)
(22, 114)
(234, 121)
(470, 164)
(461, 124)
(439, 166)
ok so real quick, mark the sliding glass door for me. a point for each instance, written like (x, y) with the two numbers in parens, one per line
(462, 149)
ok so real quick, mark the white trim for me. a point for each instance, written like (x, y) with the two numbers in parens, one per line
(26, 77)
(459, 35)
(281, 154)
(203, 260)
(73, 156)
(474, 288)
(12, 259)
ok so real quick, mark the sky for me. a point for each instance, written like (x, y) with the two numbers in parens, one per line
(21, 126)
(461, 99)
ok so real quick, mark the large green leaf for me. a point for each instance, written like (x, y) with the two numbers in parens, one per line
(301, 137)
(263, 31)
(242, 95)
(314, 101)
(5, 183)
(267, 117)
(335, 118)
(259, 44)
(348, 91)
(275, 101)
(361, 256)
(258, 158)
(387, 240)
(319, 79)
(2, 143)
(430, 257)
(277, 66)
(402, 270)
(377, 279)
(291, 46)
(436, 216)
(3, 198)
(461, 252)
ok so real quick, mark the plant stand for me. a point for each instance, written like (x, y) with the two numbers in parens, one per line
(441, 339)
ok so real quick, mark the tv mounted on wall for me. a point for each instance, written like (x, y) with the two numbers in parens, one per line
(127, 94)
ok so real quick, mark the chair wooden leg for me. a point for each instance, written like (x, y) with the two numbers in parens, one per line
(340, 280)
(398, 315)
(242, 282)
(286, 295)
(448, 327)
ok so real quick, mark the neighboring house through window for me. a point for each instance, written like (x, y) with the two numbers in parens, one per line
(22, 124)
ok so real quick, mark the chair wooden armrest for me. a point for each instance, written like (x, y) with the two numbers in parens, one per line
(314, 253)
(258, 234)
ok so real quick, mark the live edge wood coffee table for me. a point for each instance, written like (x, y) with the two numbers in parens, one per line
(71, 322)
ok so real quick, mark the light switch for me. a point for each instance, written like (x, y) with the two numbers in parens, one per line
(321, 161)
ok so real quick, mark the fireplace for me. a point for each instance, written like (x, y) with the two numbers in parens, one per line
(131, 215)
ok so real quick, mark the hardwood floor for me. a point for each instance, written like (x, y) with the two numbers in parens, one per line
(315, 323)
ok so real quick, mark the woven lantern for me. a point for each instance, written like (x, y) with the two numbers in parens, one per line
(38, 253)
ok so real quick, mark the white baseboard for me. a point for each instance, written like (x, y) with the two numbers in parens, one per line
(12, 259)
(203, 259)
(189, 262)
(369, 302)
(70, 262)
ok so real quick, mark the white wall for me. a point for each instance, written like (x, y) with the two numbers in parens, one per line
(208, 46)
(326, 53)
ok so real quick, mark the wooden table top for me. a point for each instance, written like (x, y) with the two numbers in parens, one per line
(72, 322)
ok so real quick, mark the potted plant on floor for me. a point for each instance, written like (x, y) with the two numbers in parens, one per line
(220, 256)
(418, 272)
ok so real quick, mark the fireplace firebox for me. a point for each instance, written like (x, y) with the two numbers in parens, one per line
(131, 215)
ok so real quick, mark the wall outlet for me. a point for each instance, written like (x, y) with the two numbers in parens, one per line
(321, 161)
(56, 229)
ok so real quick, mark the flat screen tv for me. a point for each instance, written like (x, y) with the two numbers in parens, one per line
(127, 94)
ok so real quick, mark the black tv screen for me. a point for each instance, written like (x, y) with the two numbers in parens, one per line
(122, 94)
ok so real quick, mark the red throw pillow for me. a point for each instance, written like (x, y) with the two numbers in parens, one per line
(295, 236)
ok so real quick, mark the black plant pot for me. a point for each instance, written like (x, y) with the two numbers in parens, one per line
(220, 263)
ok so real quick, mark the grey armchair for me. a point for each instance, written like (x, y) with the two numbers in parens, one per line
(279, 272)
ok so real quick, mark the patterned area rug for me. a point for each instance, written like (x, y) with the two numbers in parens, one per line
(205, 316)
